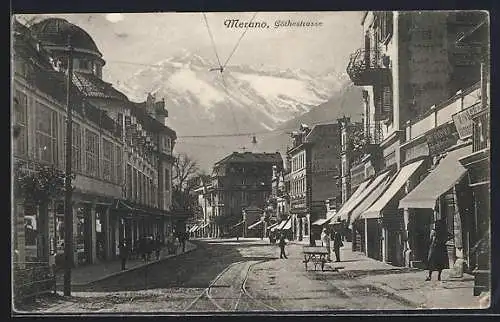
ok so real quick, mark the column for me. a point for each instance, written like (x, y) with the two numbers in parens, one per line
(107, 233)
(406, 238)
(43, 232)
(93, 234)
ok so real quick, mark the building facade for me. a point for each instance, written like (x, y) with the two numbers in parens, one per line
(121, 150)
(417, 83)
(315, 168)
(241, 181)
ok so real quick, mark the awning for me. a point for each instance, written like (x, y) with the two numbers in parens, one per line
(252, 226)
(205, 225)
(365, 193)
(320, 222)
(287, 225)
(446, 174)
(369, 200)
(396, 185)
(273, 226)
(352, 201)
(192, 229)
(238, 224)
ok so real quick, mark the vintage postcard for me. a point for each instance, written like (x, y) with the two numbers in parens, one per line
(262, 162)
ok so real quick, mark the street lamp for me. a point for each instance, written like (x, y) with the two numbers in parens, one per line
(68, 209)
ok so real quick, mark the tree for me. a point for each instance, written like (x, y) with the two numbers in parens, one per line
(184, 171)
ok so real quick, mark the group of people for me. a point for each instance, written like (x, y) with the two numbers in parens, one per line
(326, 241)
(145, 246)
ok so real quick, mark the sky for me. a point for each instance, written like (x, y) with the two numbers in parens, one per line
(130, 39)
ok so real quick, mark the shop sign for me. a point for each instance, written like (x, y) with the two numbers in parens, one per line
(416, 151)
(441, 138)
(463, 120)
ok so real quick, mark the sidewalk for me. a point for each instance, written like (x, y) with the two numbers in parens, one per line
(87, 274)
(409, 283)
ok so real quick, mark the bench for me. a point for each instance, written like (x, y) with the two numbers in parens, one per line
(317, 255)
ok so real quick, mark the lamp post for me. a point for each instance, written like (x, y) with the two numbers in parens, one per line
(68, 209)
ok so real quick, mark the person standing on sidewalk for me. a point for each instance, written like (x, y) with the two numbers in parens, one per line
(436, 259)
(282, 244)
(124, 250)
(325, 240)
(157, 247)
(337, 243)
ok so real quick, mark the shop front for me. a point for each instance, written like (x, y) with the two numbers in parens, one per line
(436, 198)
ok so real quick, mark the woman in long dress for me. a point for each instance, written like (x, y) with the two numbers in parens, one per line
(325, 240)
(436, 260)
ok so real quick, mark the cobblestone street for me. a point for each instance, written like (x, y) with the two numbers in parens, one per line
(247, 275)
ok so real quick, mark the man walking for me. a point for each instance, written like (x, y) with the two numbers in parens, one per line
(337, 243)
(123, 253)
(282, 244)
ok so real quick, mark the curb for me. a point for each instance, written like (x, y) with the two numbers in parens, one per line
(134, 268)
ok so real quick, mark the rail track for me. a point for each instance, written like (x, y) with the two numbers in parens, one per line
(242, 296)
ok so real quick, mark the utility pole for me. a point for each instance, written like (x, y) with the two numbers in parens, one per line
(68, 204)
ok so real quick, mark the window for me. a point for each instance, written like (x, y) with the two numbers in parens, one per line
(167, 180)
(384, 26)
(387, 101)
(108, 162)
(91, 153)
(21, 121)
(119, 167)
(46, 134)
(129, 181)
(76, 151)
(165, 143)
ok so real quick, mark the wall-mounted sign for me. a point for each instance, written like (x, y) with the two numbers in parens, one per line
(463, 120)
(441, 138)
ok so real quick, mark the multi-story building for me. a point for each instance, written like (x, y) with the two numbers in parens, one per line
(241, 181)
(121, 150)
(416, 79)
(315, 165)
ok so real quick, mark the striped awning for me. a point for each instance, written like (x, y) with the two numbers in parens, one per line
(192, 229)
(320, 222)
(238, 224)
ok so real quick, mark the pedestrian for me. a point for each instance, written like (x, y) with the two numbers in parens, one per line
(282, 244)
(124, 250)
(436, 259)
(337, 243)
(157, 247)
(325, 241)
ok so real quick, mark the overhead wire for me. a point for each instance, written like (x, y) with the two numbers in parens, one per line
(238, 42)
(212, 39)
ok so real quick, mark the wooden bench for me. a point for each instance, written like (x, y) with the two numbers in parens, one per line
(317, 255)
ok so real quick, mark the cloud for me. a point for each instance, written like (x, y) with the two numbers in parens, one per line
(114, 17)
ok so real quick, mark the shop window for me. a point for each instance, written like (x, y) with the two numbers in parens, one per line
(92, 153)
(46, 134)
(21, 110)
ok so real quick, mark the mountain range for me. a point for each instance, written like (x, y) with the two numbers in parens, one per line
(241, 102)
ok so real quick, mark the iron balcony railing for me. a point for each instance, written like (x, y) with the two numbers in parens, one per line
(363, 61)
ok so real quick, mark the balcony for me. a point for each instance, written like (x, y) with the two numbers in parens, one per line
(367, 67)
(481, 130)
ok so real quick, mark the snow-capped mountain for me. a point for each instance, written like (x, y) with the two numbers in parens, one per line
(243, 98)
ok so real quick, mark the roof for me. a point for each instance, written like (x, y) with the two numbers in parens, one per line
(94, 87)
(139, 110)
(249, 157)
(55, 32)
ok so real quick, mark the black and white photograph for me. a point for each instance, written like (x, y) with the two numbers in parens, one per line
(212, 163)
